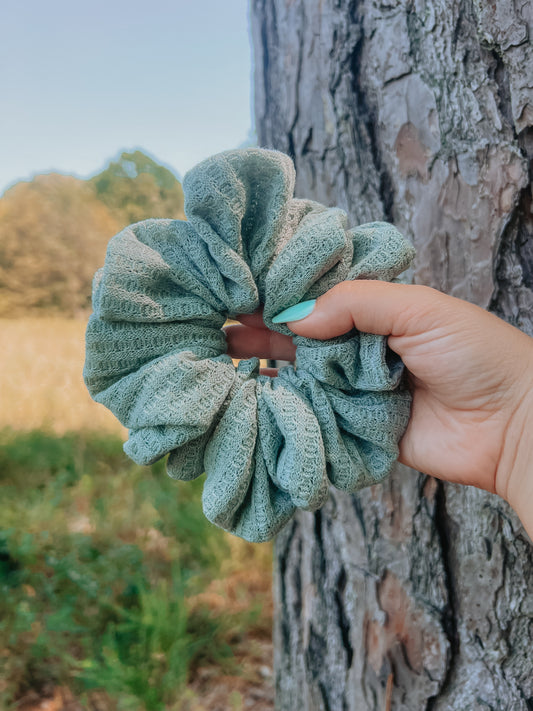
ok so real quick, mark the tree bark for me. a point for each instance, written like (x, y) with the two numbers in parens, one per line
(419, 113)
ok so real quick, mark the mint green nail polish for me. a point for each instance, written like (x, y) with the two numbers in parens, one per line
(296, 312)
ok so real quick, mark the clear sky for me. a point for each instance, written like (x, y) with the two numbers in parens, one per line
(79, 81)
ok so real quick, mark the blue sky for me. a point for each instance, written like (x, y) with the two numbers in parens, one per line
(81, 81)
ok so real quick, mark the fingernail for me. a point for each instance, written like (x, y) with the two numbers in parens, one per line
(296, 312)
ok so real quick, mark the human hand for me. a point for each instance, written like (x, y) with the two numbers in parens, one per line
(252, 338)
(470, 374)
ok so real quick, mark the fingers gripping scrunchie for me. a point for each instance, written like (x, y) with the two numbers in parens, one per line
(156, 352)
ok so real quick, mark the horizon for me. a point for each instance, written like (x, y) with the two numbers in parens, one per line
(131, 149)
(128, 149)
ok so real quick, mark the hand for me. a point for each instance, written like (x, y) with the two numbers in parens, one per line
(470, 374)
(253, 338)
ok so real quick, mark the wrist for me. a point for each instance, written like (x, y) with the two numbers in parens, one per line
(514, 475)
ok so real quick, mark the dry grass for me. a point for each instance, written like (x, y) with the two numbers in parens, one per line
(41, 385)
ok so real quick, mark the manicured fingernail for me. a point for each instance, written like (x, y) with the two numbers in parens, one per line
(296, 312)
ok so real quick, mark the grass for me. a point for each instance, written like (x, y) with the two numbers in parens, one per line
(115, 591)
(41, 385)
(109, 576)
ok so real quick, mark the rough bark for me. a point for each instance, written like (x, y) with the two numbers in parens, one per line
(420, 113)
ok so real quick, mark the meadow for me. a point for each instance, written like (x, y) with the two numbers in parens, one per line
(115, 591)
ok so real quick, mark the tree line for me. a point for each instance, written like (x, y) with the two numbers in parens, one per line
(55, 228)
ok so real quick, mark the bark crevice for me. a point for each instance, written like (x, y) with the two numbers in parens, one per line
(366, 114)
(343, 621)
(449, 612)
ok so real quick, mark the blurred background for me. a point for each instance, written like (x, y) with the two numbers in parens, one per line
(115, 592)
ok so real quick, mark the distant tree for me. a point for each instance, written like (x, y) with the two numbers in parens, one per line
(53, 235)
(54, 230)
(135, 187)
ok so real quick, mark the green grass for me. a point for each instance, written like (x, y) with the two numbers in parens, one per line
(98, 561)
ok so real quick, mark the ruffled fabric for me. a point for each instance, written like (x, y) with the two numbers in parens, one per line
(156, 353)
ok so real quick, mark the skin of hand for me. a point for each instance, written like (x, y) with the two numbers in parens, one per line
(469, 372)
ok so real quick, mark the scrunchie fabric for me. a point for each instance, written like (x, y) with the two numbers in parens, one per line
(156, 352)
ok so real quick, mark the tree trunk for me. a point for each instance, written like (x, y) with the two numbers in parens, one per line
(419, 113)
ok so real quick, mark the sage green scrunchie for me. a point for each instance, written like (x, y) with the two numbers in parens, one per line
(156, 354)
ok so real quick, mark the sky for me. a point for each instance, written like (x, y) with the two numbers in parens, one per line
(82, 81)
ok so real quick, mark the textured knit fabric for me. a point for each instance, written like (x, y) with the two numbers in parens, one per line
(156, 352)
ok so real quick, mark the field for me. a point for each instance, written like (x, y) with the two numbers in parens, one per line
(40, 378)
(115, 592)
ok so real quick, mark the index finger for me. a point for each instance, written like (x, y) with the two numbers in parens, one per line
(254, 320)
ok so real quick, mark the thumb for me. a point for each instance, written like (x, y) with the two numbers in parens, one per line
(370, 306)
